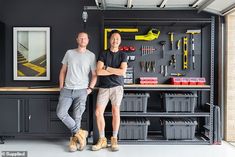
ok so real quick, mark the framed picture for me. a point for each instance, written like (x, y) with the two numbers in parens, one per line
(31, 52)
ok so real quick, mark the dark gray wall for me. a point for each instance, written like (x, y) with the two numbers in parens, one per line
(64, 18)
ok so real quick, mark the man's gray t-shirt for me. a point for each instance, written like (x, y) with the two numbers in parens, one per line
(79, 66)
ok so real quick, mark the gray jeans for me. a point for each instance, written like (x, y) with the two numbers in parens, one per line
(69, 97)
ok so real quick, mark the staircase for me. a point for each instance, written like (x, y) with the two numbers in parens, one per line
(20, 58)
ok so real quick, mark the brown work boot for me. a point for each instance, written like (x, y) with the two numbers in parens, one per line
(73, 144)
(114, 144)
(81, 136)
(102, 143)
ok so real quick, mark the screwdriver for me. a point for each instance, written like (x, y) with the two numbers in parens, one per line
(176, 74)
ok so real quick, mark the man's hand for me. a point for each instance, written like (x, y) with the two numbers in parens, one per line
(88, 91)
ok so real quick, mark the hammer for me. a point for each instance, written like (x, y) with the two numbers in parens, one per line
(192, 32)
(163, 43)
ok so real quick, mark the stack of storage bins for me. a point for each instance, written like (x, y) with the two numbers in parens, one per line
(179, 128)
(134, 128)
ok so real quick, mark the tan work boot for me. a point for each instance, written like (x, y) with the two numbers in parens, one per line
(73, 144)
(102, 143)
(114, 144)
(81, 136)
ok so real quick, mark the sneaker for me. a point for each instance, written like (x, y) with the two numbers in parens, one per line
(102, 143)
(114, 144)
(73, 144)
(81, 135)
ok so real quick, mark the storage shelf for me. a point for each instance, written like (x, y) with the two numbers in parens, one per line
(167, 87)
(153, 140)
(160, 114)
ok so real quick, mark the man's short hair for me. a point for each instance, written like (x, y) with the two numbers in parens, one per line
(114, 31)
(82, 32)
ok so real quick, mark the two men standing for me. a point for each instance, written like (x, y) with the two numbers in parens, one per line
(77, 64)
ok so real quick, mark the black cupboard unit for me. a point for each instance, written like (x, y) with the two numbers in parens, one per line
(199, 122)
(32, 113)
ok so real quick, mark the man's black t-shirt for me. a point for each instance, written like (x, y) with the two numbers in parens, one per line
(114, 60)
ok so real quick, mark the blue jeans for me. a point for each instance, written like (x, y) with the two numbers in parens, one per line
(77, 98)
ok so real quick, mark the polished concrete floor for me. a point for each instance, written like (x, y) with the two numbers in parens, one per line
(58, 148)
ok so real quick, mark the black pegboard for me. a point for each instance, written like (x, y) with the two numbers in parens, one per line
(202, 62)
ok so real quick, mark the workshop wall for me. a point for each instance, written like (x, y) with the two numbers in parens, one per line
(65, 21)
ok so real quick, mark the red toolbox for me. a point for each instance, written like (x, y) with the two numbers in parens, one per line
(148, 80)
(201, 81)
(176, 80)
(185, 81)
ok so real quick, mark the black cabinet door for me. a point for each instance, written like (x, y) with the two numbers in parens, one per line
(10, 115)
(38, 115)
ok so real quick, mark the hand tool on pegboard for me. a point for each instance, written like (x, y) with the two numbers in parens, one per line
(161, 69)
(185, 53)
(171, 40)
(146, 50)
(151, 35)
(178, 44)
(173, 61)
(107, 30)
(176, 74)
(165, 70)
(163, 43)
(148, 66)
(192, 32)
(142, 66)
(153, 63)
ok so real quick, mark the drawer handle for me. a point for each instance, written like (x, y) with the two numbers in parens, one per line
(29, 117)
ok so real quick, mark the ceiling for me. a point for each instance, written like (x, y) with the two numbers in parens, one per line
(219, 7)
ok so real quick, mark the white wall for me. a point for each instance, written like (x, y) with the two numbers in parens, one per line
(230, 79)
(23, 39)
(37, 45)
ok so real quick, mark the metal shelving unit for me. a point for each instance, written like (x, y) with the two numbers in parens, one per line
(200, 138)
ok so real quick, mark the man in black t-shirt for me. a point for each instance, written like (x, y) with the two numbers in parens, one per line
(111, 68)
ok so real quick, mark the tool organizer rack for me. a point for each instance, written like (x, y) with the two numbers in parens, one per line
(204, 67)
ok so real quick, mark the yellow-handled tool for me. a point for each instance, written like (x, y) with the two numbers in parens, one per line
(151, 35)
(171, 39)
(185, 51)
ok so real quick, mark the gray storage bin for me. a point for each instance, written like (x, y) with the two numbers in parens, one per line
(179, 129)
(136, 102)
(179, 102)
(133, 129)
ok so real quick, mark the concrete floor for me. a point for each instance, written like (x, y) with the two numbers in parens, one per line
(58, 148)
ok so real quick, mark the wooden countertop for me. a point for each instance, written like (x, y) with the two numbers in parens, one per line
(134, 86)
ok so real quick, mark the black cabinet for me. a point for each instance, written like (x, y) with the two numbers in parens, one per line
(33, 114)
(11, 115)
(38, 115)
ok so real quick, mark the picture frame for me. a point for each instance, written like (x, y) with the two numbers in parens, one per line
(31, 53)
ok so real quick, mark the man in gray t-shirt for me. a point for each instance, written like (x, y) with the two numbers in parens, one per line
(74, 88)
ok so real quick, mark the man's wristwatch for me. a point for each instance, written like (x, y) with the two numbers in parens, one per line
(105, 67)
(90, 88)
